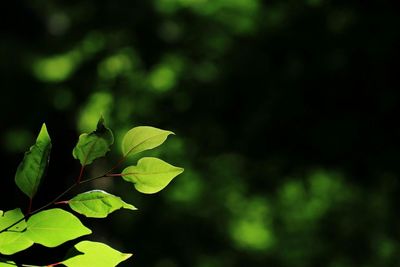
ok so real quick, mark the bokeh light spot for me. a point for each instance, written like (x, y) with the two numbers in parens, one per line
(162, 78)
(56, 68)
(99, 104)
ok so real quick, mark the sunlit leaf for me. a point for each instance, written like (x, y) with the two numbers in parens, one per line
(13, 242)
(97, 204)
(32, 168)
(53, 227)
(93, 145)
(142, 138)
(96, 254)
(10, 217)
(150, 175)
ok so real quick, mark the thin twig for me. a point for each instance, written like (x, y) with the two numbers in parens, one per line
(57, 198)
(78, 180)
(30, 205)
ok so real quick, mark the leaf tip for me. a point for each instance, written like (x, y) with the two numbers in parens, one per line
(43, 132)
(126, 255)
(88, 231)
(130, 207)
(100, 122)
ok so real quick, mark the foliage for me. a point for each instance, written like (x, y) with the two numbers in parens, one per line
(32, 167)
(150, 175)
(264, 96)
(95, 254)
(52, 227)
(97, 204)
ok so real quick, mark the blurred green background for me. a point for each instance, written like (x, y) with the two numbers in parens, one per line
(286, 115)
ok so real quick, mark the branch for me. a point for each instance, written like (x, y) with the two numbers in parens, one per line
(57, 198)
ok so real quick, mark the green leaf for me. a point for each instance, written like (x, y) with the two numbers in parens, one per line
(150, 175)
(53, 227)
(94, 145)
(10, 217)
(96, 254)
(6, 263)
(13, 242)
(31, 170)
(142, 138)
(97, 204)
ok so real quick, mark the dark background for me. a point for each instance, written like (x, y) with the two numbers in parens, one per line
(286, 115)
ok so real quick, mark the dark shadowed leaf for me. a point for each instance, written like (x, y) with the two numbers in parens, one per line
(32, 168)
(93, 145)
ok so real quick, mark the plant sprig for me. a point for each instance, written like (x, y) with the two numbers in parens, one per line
(52, 227)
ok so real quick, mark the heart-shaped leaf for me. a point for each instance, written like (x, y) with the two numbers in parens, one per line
(53, 227)
(93, 145)
(150, 175)
(96, 254)
(32, 168)
(97, 204)
(142, 138)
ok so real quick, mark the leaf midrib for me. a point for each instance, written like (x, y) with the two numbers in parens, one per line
(143, 142)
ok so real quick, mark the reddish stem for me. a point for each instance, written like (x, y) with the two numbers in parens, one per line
(78, 180)
(114, 174)
(54, 264)
(61, 202)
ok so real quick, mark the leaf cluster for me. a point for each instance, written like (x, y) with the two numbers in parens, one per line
(51, 226)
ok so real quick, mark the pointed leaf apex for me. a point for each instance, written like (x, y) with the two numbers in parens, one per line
(100, 122)
(43, 134)
(126, 255)
(128, 206)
